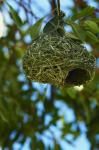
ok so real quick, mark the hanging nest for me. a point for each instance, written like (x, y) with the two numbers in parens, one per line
(59, 60)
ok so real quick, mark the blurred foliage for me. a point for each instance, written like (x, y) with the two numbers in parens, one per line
(29, 113)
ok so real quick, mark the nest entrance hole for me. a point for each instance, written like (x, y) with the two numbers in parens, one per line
(77, 76)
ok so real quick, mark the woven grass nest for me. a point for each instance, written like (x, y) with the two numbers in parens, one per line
(58, 60)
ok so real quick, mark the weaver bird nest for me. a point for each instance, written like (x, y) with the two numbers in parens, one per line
(59, 60)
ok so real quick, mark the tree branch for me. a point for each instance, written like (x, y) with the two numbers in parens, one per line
(58, 2)
(53, 5)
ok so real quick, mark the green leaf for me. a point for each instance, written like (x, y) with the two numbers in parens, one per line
(78, 31)
(85, 12)
(3, 117)
(51, 25)
(92, 37)
(34, 30)
(95, 20)
(71, 92)
(56, 22)
(92, 26)
(15, 16)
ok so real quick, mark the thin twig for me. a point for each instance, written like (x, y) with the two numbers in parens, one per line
(27, 10)
(53, 5)
(1, 1)
(53, 90)
(58, 4)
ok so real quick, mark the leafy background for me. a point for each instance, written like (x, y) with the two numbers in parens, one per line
(43, 116)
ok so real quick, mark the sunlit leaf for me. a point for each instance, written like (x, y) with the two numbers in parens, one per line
(34, 30)
(92, 26)
(85, 12)
(92, 37)
(77, 30)
(15, 16)
(71, 92)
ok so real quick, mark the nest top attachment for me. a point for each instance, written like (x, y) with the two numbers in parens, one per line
(59, 60)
